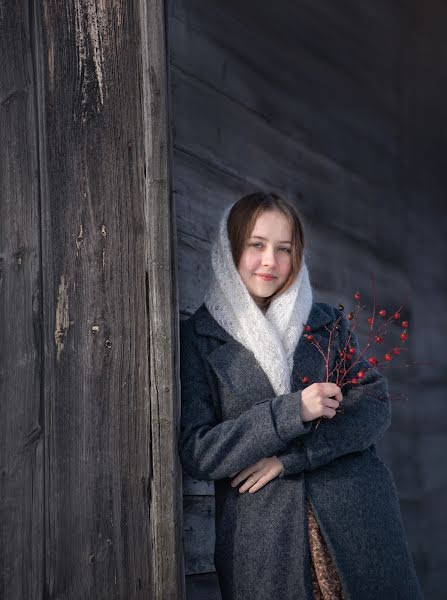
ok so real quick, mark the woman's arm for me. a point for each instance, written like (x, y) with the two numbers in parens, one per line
(210, 449)
(366, 416)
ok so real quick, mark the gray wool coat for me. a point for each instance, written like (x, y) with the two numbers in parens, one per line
(231, 418)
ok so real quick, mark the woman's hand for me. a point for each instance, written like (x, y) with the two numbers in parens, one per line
(316, 401)
(258, 474)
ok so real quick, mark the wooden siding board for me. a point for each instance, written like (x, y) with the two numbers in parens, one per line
(203, 586)
(21, 428)
(96, 408)
(212, 128)
(199, 536)
(290, 111)
(265, 72)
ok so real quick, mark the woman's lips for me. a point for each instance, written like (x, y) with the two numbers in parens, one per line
(266, 277)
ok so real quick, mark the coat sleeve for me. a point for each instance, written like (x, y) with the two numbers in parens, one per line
(366, 416)
(210, 448)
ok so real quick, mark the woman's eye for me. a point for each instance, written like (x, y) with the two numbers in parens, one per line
(281, 248)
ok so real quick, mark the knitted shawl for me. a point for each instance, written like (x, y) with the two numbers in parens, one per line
(272, 337)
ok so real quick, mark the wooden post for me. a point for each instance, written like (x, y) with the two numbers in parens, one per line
(91, 501)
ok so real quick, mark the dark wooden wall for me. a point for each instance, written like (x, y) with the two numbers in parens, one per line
(340, 107)
(90, 504)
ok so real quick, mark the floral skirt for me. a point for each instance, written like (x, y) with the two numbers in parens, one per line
(325, 581)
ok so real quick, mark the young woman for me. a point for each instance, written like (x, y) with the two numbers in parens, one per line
(302, 512)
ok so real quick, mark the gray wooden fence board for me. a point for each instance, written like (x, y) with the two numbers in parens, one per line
(21, 429)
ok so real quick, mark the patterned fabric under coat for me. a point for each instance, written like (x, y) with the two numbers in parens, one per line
(326, 584)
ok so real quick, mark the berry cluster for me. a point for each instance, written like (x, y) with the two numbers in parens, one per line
(347, 370)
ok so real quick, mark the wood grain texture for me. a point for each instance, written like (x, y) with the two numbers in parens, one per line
(89, 373)
(199, 533)
(22, 436)
(296, 72)
(162, 310)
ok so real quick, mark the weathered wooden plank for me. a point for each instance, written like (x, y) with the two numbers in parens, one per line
(203, 587)
(199, 535)
(308, 33)
(216, 131)
(108, 394)
(286, 107)
(427, 330)
(96, 405)
(21, 427)
(357, 39)
(194, 487)
(424, 409)
(312, 100)
(162, 309)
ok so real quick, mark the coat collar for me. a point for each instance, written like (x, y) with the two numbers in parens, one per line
(205, 324)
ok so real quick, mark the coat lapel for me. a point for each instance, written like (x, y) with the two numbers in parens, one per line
(239, 372)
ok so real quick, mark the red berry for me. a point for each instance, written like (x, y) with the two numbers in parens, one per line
(388, 357)
(342, 355)
(403, 336)
(305, 379)
(404, 324)
(360, 374)
(379, 339)
(310, 338)
(351, 350)
(382, 313)
(307, 328)
(396, 350)
(354, 380)
(396, 315)
(372, 360)
(357, 296)
(350, 316)
(370, 321)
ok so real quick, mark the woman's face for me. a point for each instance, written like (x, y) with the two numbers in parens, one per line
(267, 252)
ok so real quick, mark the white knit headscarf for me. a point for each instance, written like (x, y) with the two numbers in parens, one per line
(273, 336)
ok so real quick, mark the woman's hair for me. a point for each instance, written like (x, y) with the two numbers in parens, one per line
(241, 222)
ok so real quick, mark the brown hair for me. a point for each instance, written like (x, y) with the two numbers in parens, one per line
(241, 222)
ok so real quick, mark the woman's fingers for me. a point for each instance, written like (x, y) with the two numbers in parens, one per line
(244, 474)
(329, 412)
(333, 390)
(262, 481)
(251, 481)
(258, 474)
(338, 395)
(332, 403)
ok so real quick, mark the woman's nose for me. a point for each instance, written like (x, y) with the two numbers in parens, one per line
(268, 257)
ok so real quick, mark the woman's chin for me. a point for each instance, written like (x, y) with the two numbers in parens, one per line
(261, 294)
